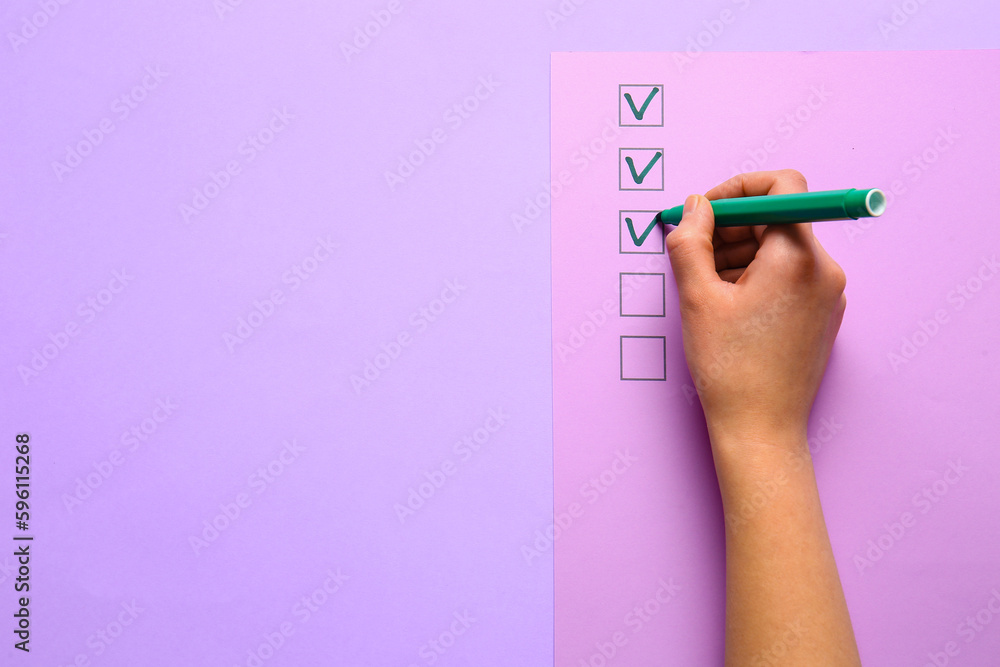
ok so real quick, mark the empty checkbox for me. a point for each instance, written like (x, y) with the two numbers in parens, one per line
(642, 294)
(644, 358)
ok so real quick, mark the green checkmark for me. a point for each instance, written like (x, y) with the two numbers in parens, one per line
(639, 240)
(638, 177)
(641, 111)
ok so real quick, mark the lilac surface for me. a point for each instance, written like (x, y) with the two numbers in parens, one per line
(321, 182)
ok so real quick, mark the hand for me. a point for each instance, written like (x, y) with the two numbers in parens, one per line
(760, 309)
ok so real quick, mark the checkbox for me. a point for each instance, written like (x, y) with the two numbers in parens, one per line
(642, 294)
(640, 105)
(638, 234)
(644, 358)
(640, 169)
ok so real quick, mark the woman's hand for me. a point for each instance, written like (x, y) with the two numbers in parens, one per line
(760, 308)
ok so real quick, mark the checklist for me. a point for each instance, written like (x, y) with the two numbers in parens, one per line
(641, 294)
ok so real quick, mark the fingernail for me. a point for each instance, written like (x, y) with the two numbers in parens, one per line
(690, 205)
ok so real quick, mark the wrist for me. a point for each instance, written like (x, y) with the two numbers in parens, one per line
(761, 468)
(750, 445)
(750, 433)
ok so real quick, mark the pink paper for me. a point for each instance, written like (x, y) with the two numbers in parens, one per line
(911, 390)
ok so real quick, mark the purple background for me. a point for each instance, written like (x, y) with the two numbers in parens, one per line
(330, 508)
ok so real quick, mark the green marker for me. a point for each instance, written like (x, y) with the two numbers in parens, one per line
(786, 209)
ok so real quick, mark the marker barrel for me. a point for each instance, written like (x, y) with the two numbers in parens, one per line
(848, 204)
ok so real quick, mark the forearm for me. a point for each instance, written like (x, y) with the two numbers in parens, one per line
(784, 601)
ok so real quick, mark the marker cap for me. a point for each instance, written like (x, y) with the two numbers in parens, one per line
(864, 203)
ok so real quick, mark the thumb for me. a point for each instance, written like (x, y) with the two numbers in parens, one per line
(692, 254)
